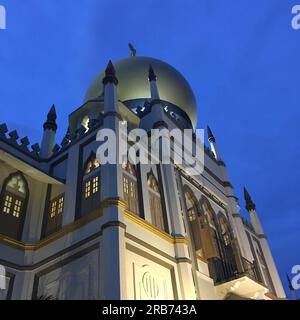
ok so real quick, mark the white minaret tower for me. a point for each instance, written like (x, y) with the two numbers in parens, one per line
(212, 142)
(155, 118)
(48, 140)
(153, 85)
(157, 109)
(110, 83)
(251, 208)
(113, 275)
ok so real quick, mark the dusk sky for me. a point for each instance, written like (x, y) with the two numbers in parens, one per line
(240, 57)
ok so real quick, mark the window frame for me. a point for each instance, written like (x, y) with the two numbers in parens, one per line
(16, 196)
(155, 202)
(55, 217)
(132, 198)
(91, 185)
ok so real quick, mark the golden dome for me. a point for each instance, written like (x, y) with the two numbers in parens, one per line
(132, 74)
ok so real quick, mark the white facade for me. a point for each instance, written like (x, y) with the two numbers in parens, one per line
(90, 231)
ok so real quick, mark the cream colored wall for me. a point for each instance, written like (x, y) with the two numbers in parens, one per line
(148, 280)
(78, 279)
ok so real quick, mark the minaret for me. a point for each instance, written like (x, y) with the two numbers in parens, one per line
(113, 275)
(212, 142)
(156, 117)
(153, 85)
(112, 119)
(110, 83)
(251, 208)
(275, 279)
(48, 140)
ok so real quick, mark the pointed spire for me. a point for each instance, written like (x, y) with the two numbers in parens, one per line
(153, 85)
(289, 282)
(210, 135)
(51, 119)
(110, 74)
(250, 205)
(151, 74)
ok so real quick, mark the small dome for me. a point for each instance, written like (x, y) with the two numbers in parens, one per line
(132, 74)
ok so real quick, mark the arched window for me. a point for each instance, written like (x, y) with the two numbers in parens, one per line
(91, 185)
(13, 205)
(191, 206)
(55, 214)
(209, 228)
(225, 230)
(222, 263)
(85, 122)
(155, 202)
(193, 218)
(130, 191)
(261, 262)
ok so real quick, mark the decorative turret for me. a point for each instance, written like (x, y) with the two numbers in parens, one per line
(211, 137)
(48, 140)
(212, 142)
(250, 205)
(251, 208)
(51, 120)
(110, 83)
(110, 74)
(153, 84)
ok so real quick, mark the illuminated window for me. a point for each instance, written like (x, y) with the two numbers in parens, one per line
(129, 167)
(91, 185)
(155, 203)
(191, 206)
(12, 209)
(7, 204)
(17, 208)
(14, 196)
(95, 184)
(130, 187)
(17, 183)
(92, 165)
(225, 231)
(125, 185)
(53, 209)
(56, 206)
(85, 122)
(60, 205)
(153, 184)
(87, 192)
(56, 209)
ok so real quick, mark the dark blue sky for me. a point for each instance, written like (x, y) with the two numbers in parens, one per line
(240, 57)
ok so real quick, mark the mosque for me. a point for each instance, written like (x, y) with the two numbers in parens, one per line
(73, 228)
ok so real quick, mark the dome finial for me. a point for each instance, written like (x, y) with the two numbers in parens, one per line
(132, 50)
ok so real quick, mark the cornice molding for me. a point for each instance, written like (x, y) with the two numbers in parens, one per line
(149, 227)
